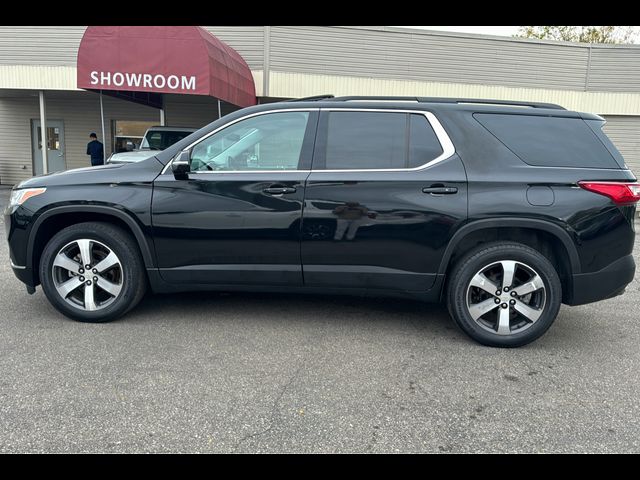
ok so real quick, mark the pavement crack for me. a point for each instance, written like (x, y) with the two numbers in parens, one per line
(374, 438)
(275, 410)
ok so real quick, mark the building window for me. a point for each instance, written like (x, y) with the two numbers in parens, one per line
(128, 134)
(53, 138)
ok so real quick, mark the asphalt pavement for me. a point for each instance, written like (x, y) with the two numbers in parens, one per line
(247, 372)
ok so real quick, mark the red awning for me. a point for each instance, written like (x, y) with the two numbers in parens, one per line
(186, 60)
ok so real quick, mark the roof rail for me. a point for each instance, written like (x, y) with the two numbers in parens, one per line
(311, 99)
(480, 101)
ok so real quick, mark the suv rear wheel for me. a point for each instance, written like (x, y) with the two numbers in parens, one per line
(504, 294)
(92, 272)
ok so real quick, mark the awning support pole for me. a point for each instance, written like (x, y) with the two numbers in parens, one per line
(43, 130)
(104, 142)
(219, 109)
(162, 119)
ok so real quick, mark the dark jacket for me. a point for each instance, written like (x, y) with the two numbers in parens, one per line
(96, 150)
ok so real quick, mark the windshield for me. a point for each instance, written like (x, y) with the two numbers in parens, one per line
(159, 140)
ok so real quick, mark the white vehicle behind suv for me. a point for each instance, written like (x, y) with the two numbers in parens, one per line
(155, 138)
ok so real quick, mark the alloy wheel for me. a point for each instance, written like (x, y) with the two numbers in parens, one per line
(506, 297)
(87, 274)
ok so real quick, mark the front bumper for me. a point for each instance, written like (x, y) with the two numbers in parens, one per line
(603, 284)
(25, 275)
(17, 239)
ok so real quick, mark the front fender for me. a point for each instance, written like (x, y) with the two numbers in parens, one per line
(145, 245)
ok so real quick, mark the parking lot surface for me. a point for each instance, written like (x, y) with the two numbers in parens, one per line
(246, 372)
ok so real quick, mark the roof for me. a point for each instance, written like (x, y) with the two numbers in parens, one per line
(423, 103)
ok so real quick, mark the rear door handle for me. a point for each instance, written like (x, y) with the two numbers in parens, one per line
(279, 190)
(440, 190)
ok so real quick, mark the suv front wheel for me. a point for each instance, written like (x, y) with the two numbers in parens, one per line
(92, 272)
(504, 294)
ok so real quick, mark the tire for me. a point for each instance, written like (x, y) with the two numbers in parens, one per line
(120, 286)
(470, 292)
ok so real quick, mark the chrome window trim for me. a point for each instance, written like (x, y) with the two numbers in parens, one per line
(448, 149)
(236, 172)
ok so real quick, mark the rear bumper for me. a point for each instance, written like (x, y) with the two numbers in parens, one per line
(603, 284)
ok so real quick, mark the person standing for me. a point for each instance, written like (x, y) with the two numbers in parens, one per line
(96, 150)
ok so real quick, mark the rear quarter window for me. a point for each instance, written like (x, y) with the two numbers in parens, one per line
(549, 141)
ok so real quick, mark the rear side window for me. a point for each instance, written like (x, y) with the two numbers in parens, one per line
(423, 143)
(549, 141)
(596, 126)
(378, 140)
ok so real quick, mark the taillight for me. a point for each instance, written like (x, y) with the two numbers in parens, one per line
(620, 193)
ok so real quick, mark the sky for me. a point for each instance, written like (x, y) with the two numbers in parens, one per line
(487, 30)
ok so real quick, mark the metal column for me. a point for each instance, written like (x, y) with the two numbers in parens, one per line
(162, 117)
(43, 134)
(104, 143)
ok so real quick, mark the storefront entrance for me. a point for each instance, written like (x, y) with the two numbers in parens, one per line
(55, 148)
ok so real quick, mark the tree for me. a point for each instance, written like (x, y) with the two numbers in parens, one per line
(586, 34)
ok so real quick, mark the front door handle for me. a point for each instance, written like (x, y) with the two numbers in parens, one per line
(279, 190)
(440, 190)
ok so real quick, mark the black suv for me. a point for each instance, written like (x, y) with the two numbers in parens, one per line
(503, 210)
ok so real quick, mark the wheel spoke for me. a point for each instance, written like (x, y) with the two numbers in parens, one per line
(65, 262)
(481, 281)
(89, 301)
(106, 263)
(67, 278)
(69, 286)
(109, 287)
(509, 268)
(531, 313)
(85, 251)
(531, 286)
(503, 322)
(479, 309)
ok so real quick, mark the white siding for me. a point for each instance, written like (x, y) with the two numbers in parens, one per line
(624, 132)
(614, 69)
(428, 57)
(80, 113)
(379, 52)
(285, 84)
(40, 45)
(58, 45)
(247, 41)
(15, 138)
(193, 110)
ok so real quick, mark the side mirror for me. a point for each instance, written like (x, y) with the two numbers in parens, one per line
(181, 165)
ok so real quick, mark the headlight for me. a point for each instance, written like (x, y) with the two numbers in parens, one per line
(18, 197)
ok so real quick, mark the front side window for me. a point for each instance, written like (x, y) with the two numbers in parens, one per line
(378, 140)
(265, 142)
